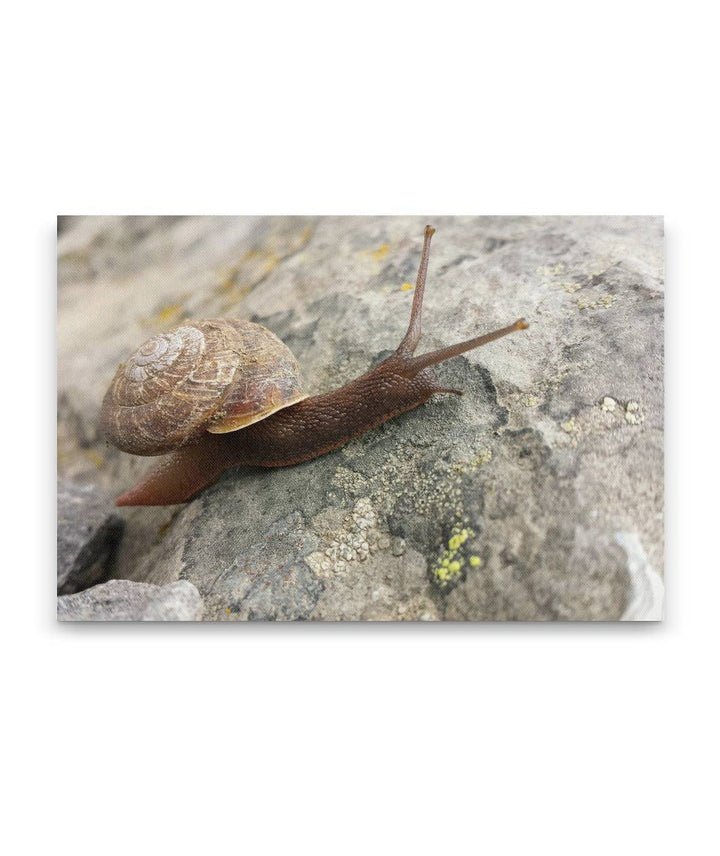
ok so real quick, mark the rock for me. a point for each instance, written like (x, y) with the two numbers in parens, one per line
(88, 531)
(124, 600)
(503, 504)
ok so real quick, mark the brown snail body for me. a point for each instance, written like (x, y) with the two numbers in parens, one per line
(237, 375)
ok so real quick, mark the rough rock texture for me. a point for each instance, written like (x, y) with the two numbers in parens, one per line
(124, 600)
(536, 496)
(88, 530)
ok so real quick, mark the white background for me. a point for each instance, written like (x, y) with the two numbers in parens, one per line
(360, 739)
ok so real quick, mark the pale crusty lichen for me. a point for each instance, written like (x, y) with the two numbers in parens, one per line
(605, 415)
(434, 492)
(547, 272)
(570, 287)
(484, 456)
(633, 414)
(572, 279)
(572, 427)
(529, 400)
(603, 302)
(479, 459)
(350, 540)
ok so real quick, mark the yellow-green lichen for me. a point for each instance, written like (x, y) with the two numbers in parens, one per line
(165, 316)
(95, 457)
(449, 565)
(455, 542)
(170, 313)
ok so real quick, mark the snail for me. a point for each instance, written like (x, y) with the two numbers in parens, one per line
(215, 394)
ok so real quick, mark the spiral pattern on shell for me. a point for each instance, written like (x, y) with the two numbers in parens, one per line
(214, 374)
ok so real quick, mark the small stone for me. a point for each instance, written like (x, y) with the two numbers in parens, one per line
(125, 600)
(88, 531)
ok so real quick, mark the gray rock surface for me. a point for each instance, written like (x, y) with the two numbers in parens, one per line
(530, 498)
(88, 530)
(124, 600)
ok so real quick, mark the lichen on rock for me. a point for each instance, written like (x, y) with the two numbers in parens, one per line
(502, 504)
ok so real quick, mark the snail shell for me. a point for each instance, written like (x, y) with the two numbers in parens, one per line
(214, 375)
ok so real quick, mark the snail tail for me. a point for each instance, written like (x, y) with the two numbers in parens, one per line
(177, 477)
